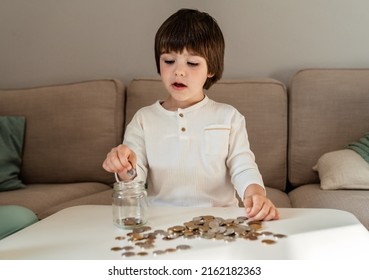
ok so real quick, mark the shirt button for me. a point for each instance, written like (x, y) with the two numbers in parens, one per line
(183, 129)
(181, 115)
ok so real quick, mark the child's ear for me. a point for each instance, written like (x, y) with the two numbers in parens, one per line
(210, 75)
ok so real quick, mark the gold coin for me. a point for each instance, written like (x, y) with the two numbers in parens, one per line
(170, 250)
(127, 248)
(116, 248)
(137, 236)
(255, 226)
(129, 221)
(207, 217)
(268, 241)
(178, 228)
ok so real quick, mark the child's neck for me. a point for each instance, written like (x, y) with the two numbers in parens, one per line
(174, 105)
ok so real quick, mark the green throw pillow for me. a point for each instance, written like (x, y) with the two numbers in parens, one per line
(11, 146)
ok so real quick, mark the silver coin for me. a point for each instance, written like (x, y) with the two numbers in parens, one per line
(278, 235)
(214, 224)
(128, 254)
(158, 252)
(132, 173)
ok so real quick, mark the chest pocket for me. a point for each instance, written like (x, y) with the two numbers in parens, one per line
(216, 139)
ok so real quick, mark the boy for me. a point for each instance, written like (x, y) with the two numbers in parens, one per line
(192, 150)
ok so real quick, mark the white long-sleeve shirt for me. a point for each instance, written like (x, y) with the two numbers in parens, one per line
(197, 156)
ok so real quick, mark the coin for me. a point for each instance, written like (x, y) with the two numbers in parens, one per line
(278, 235)
(214, 224)
(170, 250)
(129, 221)
(127, 248)
(128, 254)
(265, 233)
(132, 173)
(141, 229)
(205, 226)
(268, 241)
(183, 247)
(158, 252)
(116, 249)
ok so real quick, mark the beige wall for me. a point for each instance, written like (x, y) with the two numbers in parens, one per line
(53, 41)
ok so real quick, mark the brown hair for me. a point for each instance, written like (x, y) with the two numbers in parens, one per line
(197, 32)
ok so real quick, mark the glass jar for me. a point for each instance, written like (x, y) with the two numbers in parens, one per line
(129, 204)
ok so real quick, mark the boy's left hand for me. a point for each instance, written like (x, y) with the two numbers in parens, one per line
(258, 206)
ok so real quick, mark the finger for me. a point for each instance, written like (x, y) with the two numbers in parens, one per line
(247, 203)
(272, 215)
(116, 160)
(268, 212)
(112, 163)
(257, 206)
(132, 159)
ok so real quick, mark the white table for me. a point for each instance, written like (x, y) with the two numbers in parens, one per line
(87, 233)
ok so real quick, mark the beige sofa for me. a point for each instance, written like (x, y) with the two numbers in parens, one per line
(71, 128)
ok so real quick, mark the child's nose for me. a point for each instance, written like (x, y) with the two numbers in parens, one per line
(179, 71)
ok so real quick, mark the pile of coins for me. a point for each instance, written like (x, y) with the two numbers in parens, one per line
(206, 227)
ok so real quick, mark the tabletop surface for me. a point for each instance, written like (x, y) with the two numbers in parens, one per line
(87, 233)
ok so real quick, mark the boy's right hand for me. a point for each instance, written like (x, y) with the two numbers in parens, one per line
(119, 160)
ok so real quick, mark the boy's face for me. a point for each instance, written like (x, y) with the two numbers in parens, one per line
(184, 75)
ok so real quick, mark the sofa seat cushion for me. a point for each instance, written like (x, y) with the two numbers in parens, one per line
(40, 197)
(278, 197)
(100, 198)
(353, 201)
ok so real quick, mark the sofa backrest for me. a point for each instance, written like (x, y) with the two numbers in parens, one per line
(69, 129)
(263, 102)
(329, 108)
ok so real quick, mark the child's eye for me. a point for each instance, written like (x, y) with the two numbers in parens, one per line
(193, 64)
(167, 61)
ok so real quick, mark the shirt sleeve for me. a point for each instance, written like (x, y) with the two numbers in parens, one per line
(134, 139)
(241, 160)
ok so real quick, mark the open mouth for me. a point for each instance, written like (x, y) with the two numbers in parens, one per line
(179, 85)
